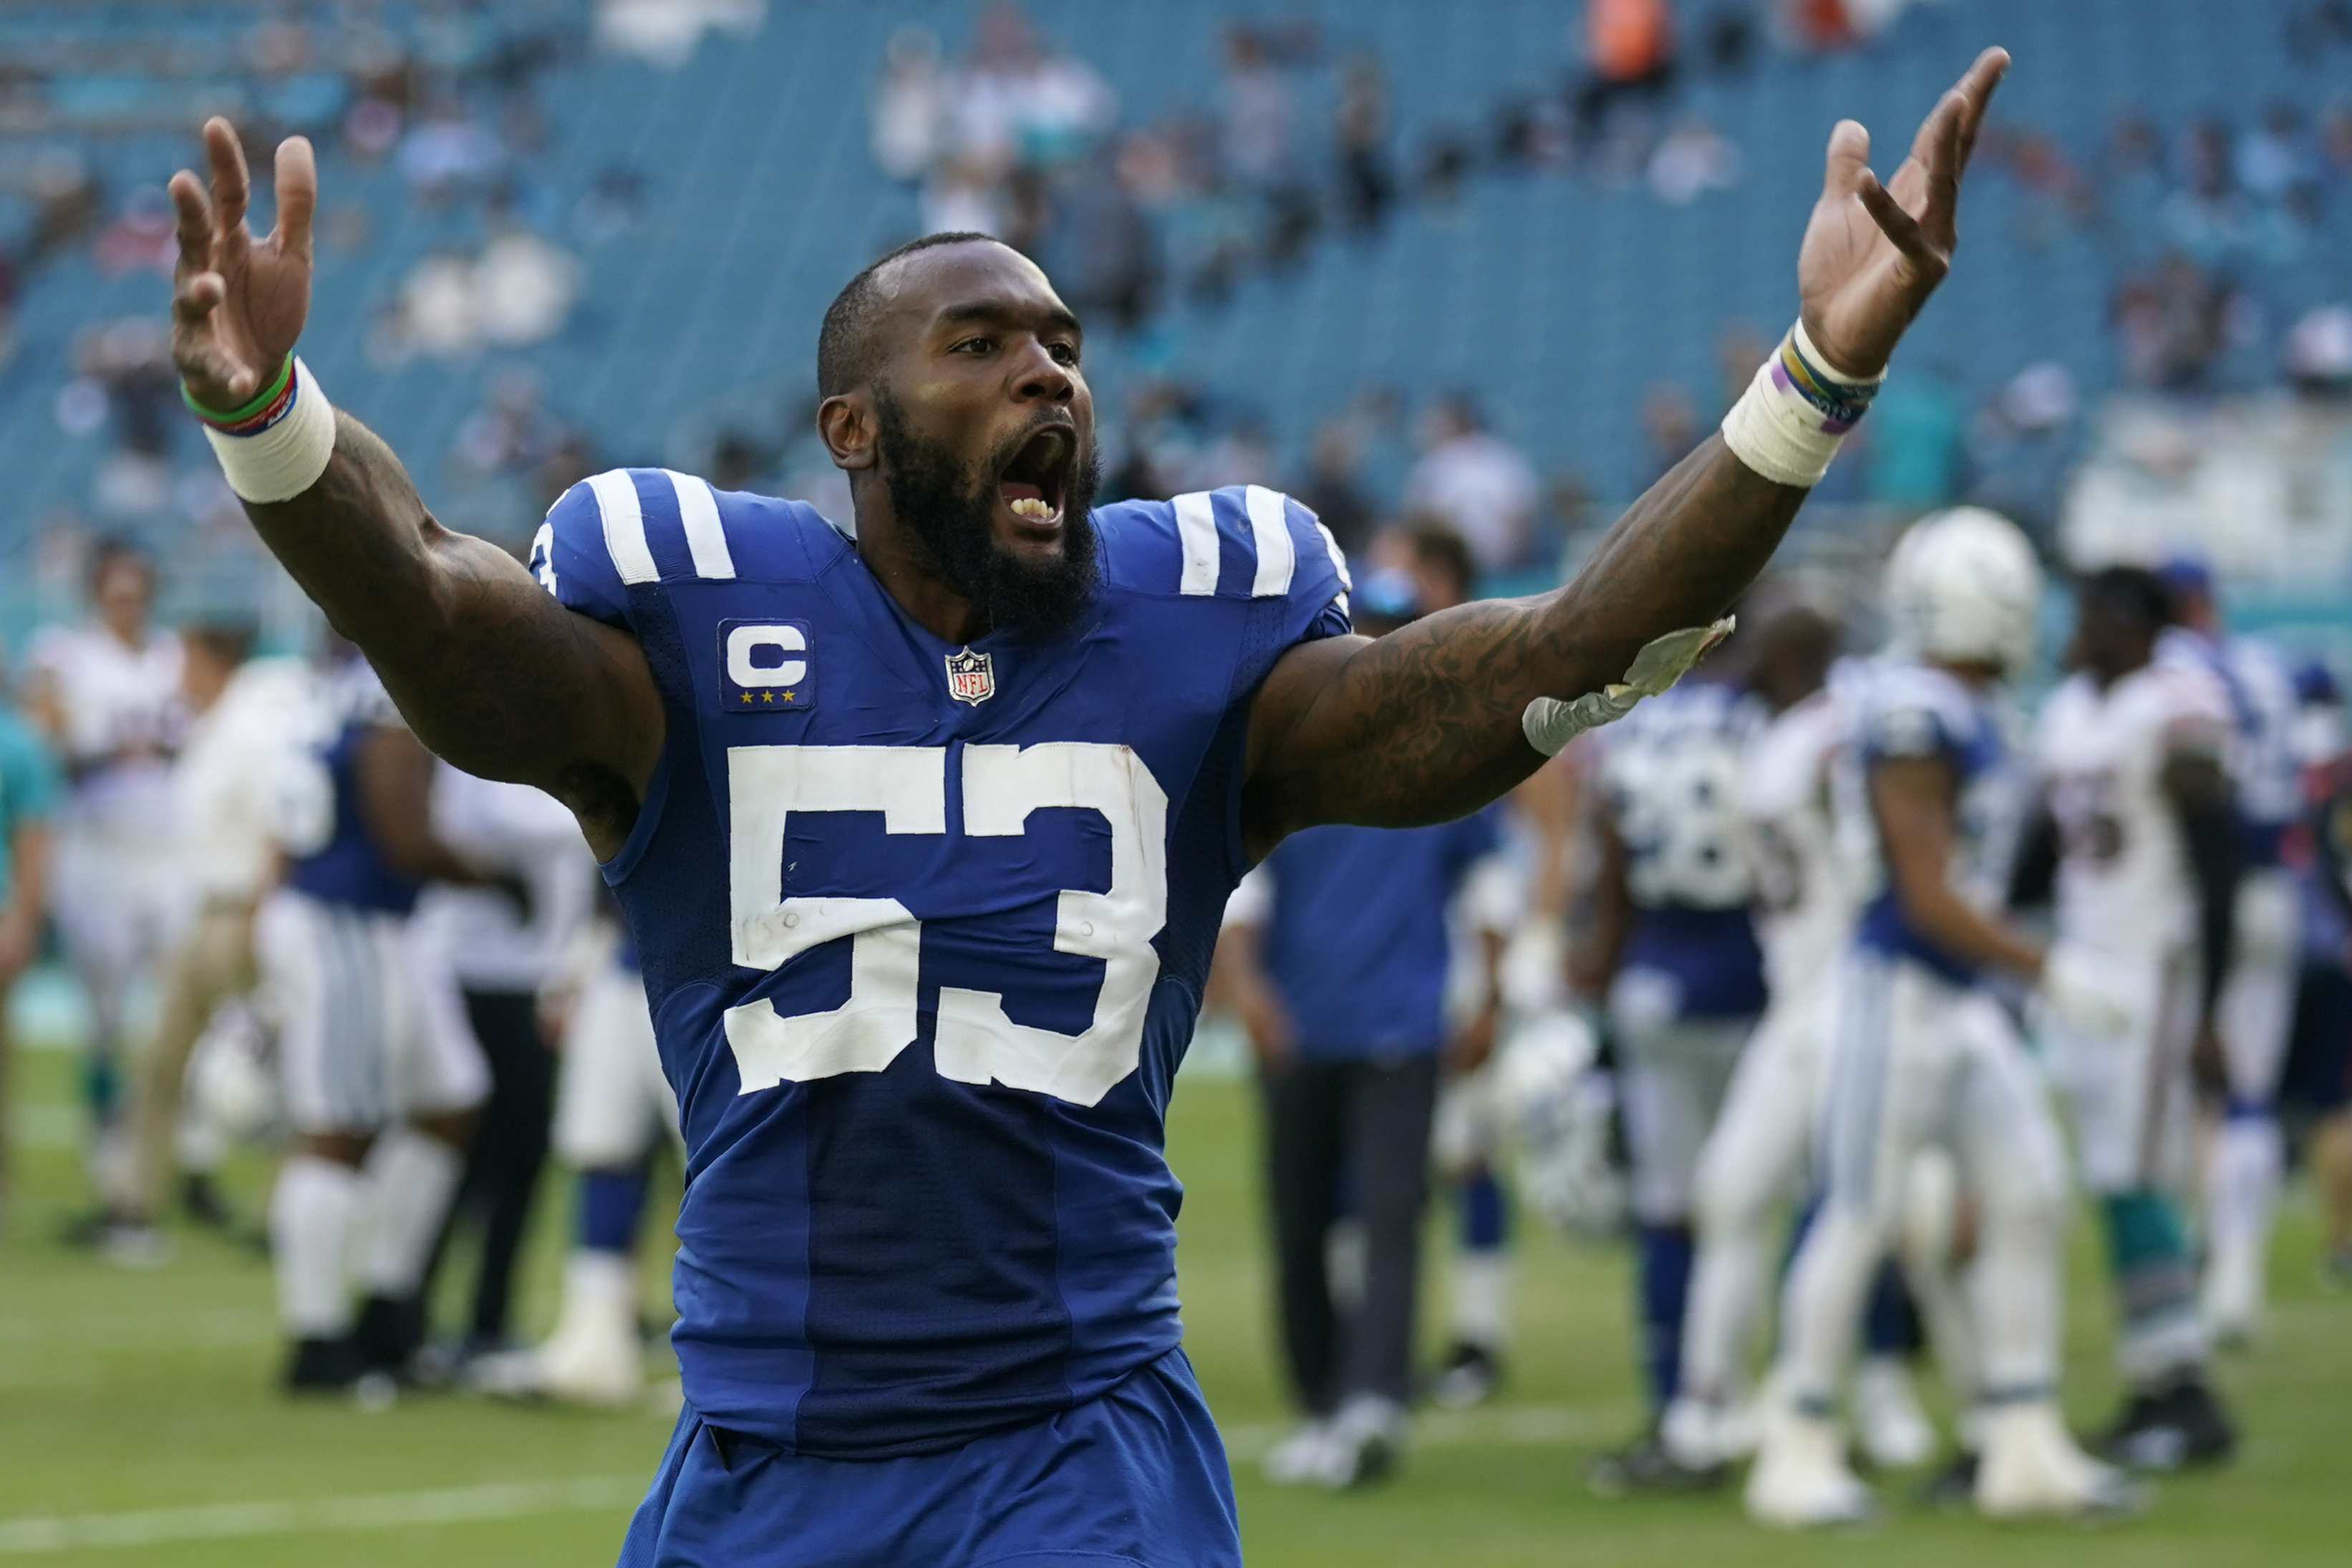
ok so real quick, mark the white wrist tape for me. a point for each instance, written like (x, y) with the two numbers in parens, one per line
(1550, 723)
(1789, 423)
(282, 461)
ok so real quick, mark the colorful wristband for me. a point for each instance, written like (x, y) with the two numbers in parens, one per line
(266, 409)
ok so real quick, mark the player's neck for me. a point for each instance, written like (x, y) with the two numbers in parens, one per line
(911, 577)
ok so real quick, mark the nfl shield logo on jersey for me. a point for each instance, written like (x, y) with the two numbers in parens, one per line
(971, 677)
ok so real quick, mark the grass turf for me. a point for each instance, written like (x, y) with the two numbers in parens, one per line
(138, 1424)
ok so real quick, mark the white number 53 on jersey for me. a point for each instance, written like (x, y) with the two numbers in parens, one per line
(908, 785)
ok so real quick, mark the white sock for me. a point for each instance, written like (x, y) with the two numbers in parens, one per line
(311, 1213)
(1822, 1304)
(2241, 1183)
(1482, 1296)
(2014, 1287)
(411, 1177)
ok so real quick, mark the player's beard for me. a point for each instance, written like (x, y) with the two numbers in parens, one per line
(954, 512)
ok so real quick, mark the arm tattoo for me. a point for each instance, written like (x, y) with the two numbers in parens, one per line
(1423, 725)
(494, 675)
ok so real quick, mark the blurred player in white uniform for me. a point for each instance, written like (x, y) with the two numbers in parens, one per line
(2245, 1161)
(382, 1104)
(485, 953)
(2146, 858)
(247, 717)
(1921, 1052)
(109, 696)
(1674, 954)
(1758, 1158)
(614, 1109)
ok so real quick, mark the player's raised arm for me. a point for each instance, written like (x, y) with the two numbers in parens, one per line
(492, 672)
(1435, 720)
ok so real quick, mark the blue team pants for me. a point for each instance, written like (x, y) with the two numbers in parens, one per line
(1136, 1476)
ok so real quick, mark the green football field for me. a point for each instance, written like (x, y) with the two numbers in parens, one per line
(138, 1423)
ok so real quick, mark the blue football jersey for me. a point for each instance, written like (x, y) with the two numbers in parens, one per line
(924, 928)
(1908, 709)
(2265, 773)
(347, 868)
(1670, 780)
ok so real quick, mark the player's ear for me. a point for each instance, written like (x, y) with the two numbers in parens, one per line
(848, 425)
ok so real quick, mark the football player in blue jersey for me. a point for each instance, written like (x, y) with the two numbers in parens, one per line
(2246, 1160)
(924, 836)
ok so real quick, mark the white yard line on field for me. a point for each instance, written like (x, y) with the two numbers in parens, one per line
(1508, 1426)
(383, 1510)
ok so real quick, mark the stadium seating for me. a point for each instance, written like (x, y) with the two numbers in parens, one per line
(1556, 297)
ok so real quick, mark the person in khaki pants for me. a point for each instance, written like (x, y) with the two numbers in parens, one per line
(248, 715)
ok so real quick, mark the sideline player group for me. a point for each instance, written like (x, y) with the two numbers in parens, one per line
(1875, 962)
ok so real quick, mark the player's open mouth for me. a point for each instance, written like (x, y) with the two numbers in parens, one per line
(1038, 477)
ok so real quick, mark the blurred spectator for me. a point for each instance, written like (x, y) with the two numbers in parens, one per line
(2318, 352)
(1331, 489)
(2274, 161)
(1099, 248)
(2203, 216)
(1017, 103)
(523, 288)
(1241, 454)
(910, 104)
(614, 203)
(142, 235)
(1256, 110)
(124, 369)
(449, 154)
(511, 432)
(1479, 484)
(1669, 428)
(665, 32)
(1359, 138)
(1628, 57)
(518, 293)
(2172, 323)
(67, 203)
(1917, 442)
(2021, 446)
(1693, 159)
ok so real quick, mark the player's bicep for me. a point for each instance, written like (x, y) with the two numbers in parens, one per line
(540, 694)
(1911, 797)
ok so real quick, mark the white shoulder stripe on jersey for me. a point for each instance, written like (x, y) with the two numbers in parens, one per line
(1276, 559)
(543, 555)
(624, 526)
(1338, 556)
(697, 510)
(1196, 531)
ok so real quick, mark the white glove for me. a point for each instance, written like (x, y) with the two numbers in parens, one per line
(1550, 723)
(2078, 996)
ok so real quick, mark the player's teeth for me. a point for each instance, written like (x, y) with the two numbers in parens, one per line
(1032, 507)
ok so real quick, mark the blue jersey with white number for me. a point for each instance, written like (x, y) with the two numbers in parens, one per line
(924, 929)
(1908, 710)
(349, 870)
(1670, 777)
(2265, 773)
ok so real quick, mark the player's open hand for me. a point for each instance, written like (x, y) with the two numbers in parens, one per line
(239, 302)
(1874, 253)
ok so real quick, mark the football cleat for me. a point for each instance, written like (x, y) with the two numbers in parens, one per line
(1363, 1443)
(1469, 1376)
(2032, 1468)
(1650, 1465)
(1892, 1430)
(1297, 1458)
(2173, 1425)
(1801, 1479)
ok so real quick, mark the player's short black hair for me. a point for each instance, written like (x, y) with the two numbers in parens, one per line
(2132, 595)
(845, 345)
(229, 641)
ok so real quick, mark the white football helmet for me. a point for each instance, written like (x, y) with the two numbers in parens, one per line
(1562, 1107)
(1963, 585)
